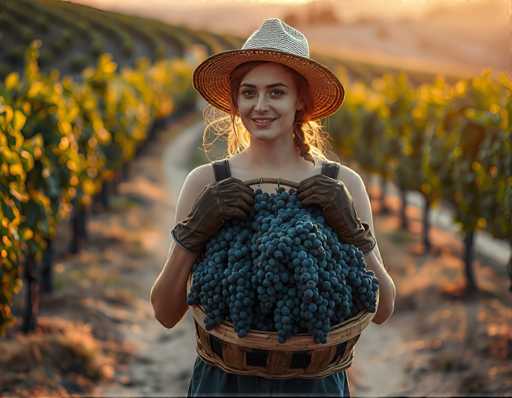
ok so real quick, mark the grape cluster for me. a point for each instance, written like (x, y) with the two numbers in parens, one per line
(283, 270)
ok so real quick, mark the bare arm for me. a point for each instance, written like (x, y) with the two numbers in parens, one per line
(169, 292)
(387, 289)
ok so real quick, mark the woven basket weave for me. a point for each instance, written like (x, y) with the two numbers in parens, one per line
(259, 353)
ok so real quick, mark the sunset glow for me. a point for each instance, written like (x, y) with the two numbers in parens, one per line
(365, 7)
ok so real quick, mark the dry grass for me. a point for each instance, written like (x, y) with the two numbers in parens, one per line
(61, 355)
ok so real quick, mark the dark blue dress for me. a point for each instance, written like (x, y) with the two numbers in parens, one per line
(209, 380)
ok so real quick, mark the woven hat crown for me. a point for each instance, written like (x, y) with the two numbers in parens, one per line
(278, 35)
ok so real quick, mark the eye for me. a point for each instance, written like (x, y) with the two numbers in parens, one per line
(245, 92)
(278, 91)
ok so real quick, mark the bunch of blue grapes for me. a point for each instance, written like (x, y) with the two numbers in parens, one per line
(283, 270)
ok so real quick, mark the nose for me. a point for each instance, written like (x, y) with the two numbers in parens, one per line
(261, 104)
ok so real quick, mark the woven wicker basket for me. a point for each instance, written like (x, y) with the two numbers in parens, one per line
(260, 353)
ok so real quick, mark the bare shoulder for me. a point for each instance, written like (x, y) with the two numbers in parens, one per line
(356, 186)
(350, 178)
(195, 181)
(201, 175)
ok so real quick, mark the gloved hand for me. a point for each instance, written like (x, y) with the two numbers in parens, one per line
(338, 209)
(227, 199)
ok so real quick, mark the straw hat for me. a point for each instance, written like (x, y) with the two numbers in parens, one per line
(278, 42)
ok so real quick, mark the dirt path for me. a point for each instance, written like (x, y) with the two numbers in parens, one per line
(380, 359)
(163, 359)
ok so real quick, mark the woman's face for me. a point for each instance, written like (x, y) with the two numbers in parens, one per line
(268, 92)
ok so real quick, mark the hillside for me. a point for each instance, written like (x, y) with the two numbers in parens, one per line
(462, 38)
(74, 35)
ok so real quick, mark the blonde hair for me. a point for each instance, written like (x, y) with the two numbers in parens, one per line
(309, 136)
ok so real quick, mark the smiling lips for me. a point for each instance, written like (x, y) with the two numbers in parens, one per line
(263, 122)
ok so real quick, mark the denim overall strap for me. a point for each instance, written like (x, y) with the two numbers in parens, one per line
(221, 169)
(330, 169)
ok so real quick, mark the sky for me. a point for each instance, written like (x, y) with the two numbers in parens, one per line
(388, 7)
(185, 4)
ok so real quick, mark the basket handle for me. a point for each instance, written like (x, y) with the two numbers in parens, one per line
(272, 180)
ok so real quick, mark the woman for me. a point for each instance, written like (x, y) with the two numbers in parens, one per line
(273, 92)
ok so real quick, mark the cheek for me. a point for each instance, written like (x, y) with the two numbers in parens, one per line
(244, 108)
(284, 108)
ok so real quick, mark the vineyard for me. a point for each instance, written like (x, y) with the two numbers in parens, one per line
(83, 92)
(73, 36)
(451, 143)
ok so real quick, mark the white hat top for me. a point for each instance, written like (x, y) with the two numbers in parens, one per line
(278, 35)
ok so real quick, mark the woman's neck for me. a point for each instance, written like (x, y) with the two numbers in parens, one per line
(267, 155)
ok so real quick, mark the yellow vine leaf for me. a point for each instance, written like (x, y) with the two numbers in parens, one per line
(19, 120)
(28, 234)
(12, 80)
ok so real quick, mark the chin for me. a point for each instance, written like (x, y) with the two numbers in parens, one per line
(265, 135)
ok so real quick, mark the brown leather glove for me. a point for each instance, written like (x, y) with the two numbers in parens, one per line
(338, 209)
(227, 199)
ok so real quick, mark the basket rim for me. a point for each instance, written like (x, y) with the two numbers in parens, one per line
(262, 339)
(356, 317)
(267, 340)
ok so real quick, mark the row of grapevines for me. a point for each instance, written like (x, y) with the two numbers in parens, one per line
(449, 142)
(62, 140)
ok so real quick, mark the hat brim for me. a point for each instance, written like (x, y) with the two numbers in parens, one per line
(211, 78)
